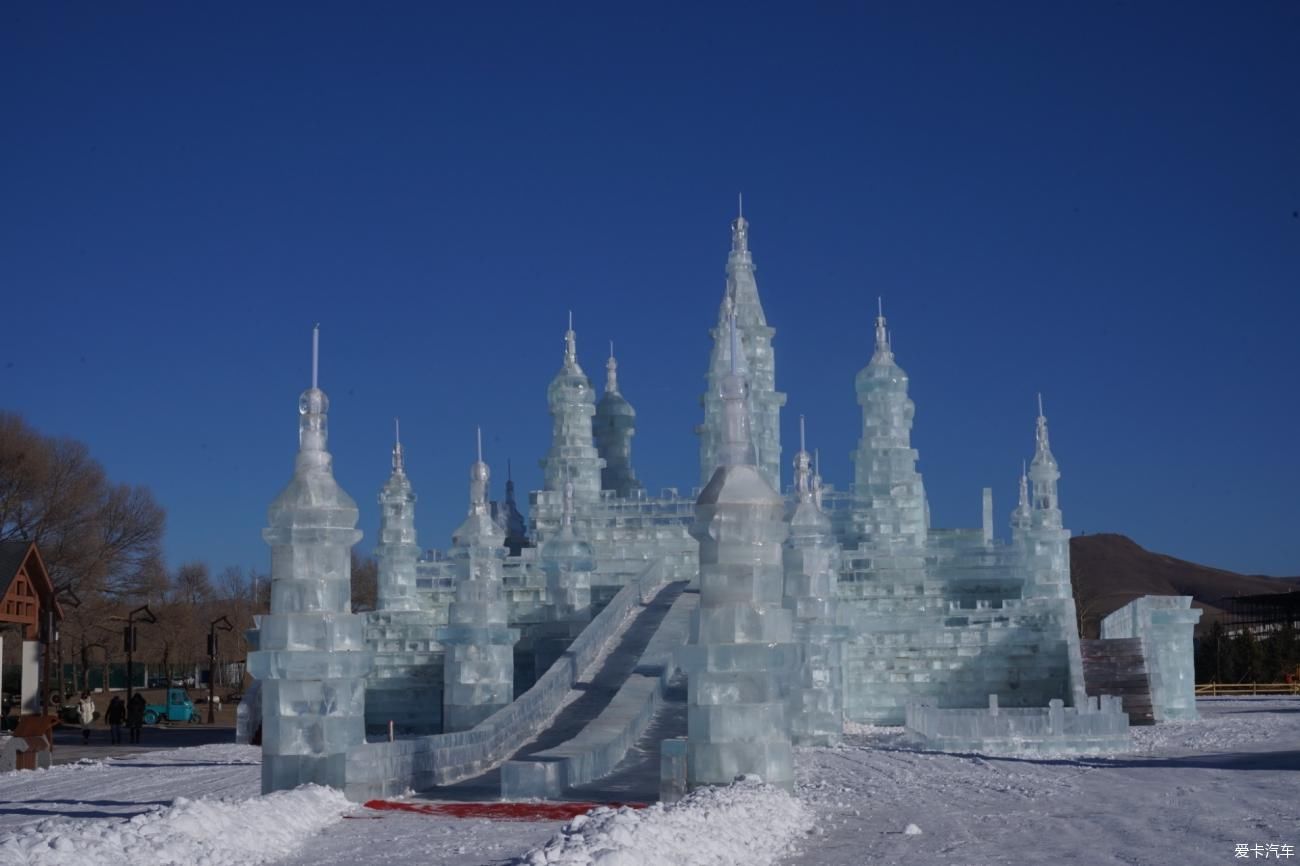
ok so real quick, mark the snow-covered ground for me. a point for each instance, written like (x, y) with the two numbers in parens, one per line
(1190, 793)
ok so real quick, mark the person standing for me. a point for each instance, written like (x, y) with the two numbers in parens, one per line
(115, 715)
(135, 716)
(86, 716)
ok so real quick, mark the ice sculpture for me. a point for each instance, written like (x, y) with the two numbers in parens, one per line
(506, 514)
(573, 456)
(742, 651)
(1165, 624)
(613, 429)
(764, 401)
(479, 663)
(568, 562)
(888, 496)
(397, 550)
(811, 560)
(404, 691)
(311, 656)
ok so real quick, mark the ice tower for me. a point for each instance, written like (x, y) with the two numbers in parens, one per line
(479, 664)
(811, 561)
(573, 456)
(764, 401)
(741, 653)
(613, 429)
(312, 657)
(405, 688)
(397, 551)
(888, 495)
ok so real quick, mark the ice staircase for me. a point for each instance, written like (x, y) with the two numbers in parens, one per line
(604, 716)
(600, 746)
(1117, 666)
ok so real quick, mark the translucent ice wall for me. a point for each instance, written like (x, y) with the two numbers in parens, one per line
(811, 560)
(755, 339)
(1165, 623)
(479, 664)
(311, 656)
(742, 651)
(568, 563)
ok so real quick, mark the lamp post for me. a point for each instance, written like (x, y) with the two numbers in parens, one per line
(129, 642)
(224, 624)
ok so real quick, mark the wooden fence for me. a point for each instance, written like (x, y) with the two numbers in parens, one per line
(1224, 690)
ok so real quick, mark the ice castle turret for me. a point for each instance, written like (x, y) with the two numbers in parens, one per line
(811, 559)
(764, 401)
(741, 653)
(1049, 542)
(613, 428)
(397, 551)
(311, 657)
(404, 690)
(478, 672)
(572, 402)
(888, 496)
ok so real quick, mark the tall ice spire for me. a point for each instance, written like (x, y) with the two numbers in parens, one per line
(613, 428)
(397, 550)
(312, 657)
(572, 404)
(888, 494)
(755, 339)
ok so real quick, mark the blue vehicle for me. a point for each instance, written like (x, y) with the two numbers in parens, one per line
(179, 708)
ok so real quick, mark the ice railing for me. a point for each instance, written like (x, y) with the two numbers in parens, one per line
(420, 763)
(1099, 725)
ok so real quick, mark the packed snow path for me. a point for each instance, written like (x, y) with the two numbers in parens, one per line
(1188, 794)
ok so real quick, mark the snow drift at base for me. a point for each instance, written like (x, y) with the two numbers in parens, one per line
(746, 823)
(203, 832)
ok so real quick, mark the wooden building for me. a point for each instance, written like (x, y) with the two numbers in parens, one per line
(26, 591)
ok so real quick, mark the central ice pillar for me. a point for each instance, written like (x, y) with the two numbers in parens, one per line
(479, 665)
(311, 657)
(741, 654)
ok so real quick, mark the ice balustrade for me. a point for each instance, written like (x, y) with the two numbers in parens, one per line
(1098, 726)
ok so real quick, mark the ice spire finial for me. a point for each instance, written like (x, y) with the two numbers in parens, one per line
(570, 343)
(313, 406)
(478, 480)
(1041, 432)
(315, 354)
(740, 229)
(398, 468)
(803, 483)
(882, 334)
(611, 372)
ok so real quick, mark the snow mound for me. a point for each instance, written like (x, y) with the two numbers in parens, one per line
(203, 832)
(746, 823)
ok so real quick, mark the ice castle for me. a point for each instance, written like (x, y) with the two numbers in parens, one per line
(806, 606)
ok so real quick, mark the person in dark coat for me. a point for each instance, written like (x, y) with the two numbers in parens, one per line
(135, 716)
(115, 716)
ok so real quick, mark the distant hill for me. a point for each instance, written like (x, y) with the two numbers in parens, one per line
(1110, 570)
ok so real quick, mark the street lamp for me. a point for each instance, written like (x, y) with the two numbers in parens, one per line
(129, 644)
(224, 624)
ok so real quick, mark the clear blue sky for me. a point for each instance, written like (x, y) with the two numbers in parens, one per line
(1101, 202)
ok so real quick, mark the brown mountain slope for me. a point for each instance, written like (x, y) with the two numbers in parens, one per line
(1110, 570)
